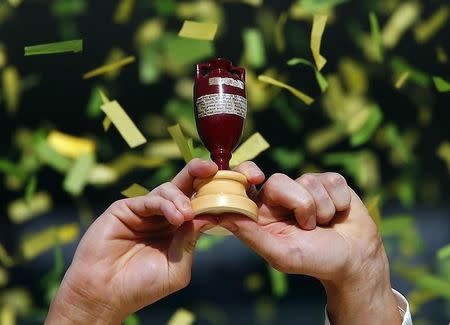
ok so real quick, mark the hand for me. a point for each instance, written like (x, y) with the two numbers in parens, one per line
(316, 225)
(138, 251)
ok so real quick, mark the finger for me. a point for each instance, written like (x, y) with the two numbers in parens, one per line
(337, 188)
(181, 251)
(131, 211)
(173, 194)
(281, 190)
(253, 235)
(196, 168)
(325, 209)
(253, 173)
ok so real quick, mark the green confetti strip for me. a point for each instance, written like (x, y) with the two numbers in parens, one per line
(321, 80)
(180, 140)
(74, 46)
(443, 253)
(278, 281)
(76, 177)
(30, 189)
(376, 36)
(368, 128)
(441, 84)
(254, 51)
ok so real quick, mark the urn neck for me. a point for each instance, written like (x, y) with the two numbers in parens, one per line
(222, 158)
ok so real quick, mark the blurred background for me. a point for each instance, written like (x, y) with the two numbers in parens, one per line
(379, 117)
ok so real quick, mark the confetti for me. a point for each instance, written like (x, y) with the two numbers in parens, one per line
(250, 149)
(427, 29)
(373, 206)
(134, 190)
(123, 123)
(403, 18)
(443, 152)
(321, 80)
(102, 174)
(278, 281)
(35, 244)
(74, 46)
(182, 317)
(163, 149)
(50, 157)
(254, 51)
(109, 67)
(443, 252)
(20, 211)
(30, 189)
(5, 259)
(365, 132)
(128, 162)
(402, 79)
(441, 84)
(376, 36)
(199, 31)
(316, 38)
(76, 177)
(7, 315)
(123, 11)
(68, 145)
(11, 88)
(303, 97)
(180, 140)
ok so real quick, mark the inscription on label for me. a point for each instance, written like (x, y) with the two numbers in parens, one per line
(221, 104)
(226, 81)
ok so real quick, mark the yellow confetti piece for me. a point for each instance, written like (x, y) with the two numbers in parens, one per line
(115, 55)
(19, 211)
(106, 121)
(402, 79)
(5, 259)
(7, 315)
(302, 96)
(443, 152)
(163, 149)
(182, 317)
(196, 30)
(37, 243)
(69, 145)
(425, 30)
(403, 18)
(251, 148)
(11, 88)
(135, 190)
(3, 55)
(18, 298)
(181, 141)
(126, 127)
(102, 174)
(316, 38)
(149, 31)
(373, 206)
(441, 56)
(109, 67)
(123, 11)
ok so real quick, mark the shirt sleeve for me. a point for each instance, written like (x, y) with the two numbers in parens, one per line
(402, 305)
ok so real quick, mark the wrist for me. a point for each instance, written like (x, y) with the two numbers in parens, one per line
(363, 295)
(74, 305)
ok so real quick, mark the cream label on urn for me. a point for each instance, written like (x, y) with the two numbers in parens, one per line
(226, 81)
(221, 103)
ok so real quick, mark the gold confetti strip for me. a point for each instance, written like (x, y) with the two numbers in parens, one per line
(37, 243)
(69, 145)
(102, 174)
(128, 161)
(126, 127)
(317, 30)
(196, 30)
(3, 55)
(403, 18)
(182, 317)
(443, 152)
(20, 211)
(123, 11)
(181, 141)
(109, 67)
(135, 190)
(302, 96)
(425, 30)
(373, 206)
(7, 315)
(11, 88)
(402, 79)
(251, 148)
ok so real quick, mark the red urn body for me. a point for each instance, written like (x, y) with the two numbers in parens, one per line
(220, 107)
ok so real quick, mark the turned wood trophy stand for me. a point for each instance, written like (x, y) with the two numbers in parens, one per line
(220, 111)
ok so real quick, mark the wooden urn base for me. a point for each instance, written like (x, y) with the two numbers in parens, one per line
(225, 192)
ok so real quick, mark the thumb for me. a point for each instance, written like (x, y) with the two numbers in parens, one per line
(254, 235)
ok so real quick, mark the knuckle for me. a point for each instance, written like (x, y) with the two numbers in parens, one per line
(309, 180)
(307, 204)
(335, 179)
(276, 178)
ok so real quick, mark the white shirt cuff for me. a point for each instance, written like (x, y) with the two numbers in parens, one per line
(403, 308)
